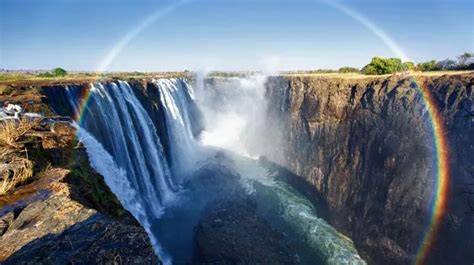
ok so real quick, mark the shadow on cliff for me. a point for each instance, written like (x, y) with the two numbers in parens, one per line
(95, 240)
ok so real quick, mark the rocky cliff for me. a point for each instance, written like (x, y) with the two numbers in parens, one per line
(61, 211)
(365, 144)
(361, 145)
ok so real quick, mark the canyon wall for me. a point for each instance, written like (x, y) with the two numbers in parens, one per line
(366, 145)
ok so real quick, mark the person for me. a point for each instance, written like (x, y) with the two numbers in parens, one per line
(12, 109)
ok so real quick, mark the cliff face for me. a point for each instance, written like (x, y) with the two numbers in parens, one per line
(366, 145)
(63, 212)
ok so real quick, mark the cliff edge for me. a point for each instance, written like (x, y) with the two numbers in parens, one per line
(366, 145)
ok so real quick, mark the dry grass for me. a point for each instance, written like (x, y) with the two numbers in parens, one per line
(29, 78)
(11, 131)
(362, 76)
(14, 170)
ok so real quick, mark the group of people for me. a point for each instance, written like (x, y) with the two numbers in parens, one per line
(10, 111)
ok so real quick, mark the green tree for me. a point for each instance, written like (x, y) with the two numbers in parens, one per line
(46, 74)
(348, 69)
(464, 58)
(448, 64)
(59, 72)
(408, 66)
(382, 66)
(429, 66)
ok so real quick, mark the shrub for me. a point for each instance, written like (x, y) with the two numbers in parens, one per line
(465, 59)
(407, 66)
(5, 90)
(322, 71)
(348, 69)
(432, 65)
(382, 66)
(448, 64)
(46, 74)
(58, 72)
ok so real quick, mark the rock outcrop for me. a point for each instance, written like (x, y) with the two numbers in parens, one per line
(233, 233)
(65, 213)
(366, 145)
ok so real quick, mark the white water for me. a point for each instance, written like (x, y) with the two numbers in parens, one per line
(134, 143)
(234, 114)
(175, 96)
(236, 117)
(124, 147)
(123, 144)
(116, 179)
(296, 213)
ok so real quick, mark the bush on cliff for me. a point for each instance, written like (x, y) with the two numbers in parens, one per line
(464, 61)
(348, 69)
(59, 72)
(383, 66)
(432, 65)
(56, 72)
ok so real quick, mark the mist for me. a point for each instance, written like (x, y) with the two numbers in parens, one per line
(236, 116)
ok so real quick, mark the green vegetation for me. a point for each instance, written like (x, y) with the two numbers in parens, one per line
(94, 189)
(408, 66)
(429, 66)
(382, 66)
(59, 72)
(228, 74)
(348, 69)
(5, 90)
(377, 66)
(56, 72)
(17, 76)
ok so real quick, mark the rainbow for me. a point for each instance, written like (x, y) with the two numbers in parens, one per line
(441, 189)
(84, 99)
(441, 184)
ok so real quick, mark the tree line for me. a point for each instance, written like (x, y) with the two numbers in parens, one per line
(56, 72)
(377, 66)
(382, 66)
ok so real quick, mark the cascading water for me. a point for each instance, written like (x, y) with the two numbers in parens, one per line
(245, 101)
(135, 147)
(123, 143)
(175, 97)
(162, 192)
(236, 117)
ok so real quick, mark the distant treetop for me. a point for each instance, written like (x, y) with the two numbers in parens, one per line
(59, 72)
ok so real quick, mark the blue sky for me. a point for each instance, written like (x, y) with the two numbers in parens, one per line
(227, 34)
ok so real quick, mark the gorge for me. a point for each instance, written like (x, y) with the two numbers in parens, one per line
(289, 169)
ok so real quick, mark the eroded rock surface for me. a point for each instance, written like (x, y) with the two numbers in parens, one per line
(366, 145)
(233, 233)
(65, 213)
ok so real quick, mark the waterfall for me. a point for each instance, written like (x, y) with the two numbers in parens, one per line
(236, 117)
(117, 120)
(116, 179)
(176, 97)
(120, 122)
(123, 143)
(144, 144)
(124, 146)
